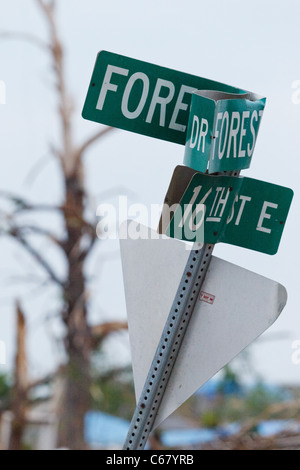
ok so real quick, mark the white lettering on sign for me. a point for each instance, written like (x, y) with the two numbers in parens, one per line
(250, 149)
(245, 115)
(157, 99)
(124, 107)
(200, 208)
(216, 136)
(107, 85)
(254, 115)
(241, 210)
(229, 133)
(233, 133)
(194, 135)
(236, 199)
(203, 133)
(199, 136)
(189, 206)
(213, 215)
(264, 215)
(225, 119)
(217, 209)
(180, 106)
(243, 200)
(222, 202)
(210, 218)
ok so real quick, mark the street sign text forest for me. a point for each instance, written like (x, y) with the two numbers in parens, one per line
(144, 98)
(222, 130)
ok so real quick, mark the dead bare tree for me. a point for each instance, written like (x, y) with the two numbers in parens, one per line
(78, 340)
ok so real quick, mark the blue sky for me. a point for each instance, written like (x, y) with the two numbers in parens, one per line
(252, 45)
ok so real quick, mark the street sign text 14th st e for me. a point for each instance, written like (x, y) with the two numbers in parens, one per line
(240, 211)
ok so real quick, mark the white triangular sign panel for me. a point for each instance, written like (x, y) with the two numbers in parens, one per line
(234, 308)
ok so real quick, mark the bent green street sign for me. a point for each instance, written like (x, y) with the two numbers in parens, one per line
(144, 98)
(239, 211)
(222, 131)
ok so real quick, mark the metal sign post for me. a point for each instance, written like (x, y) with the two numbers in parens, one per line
(169, 345)
(187, 294)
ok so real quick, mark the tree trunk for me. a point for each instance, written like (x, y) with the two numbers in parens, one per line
(76, 397)
(77, 341)
(19, 405)
(17, 430)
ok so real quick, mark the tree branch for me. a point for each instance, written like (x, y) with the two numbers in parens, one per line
(93, 139)
(113, 373)
(41, 231)
(40, 208)
(43, 381)
(100, 332)
(36, 169)
(23, 205)
(65, 102)
(36, 255)
(47, 7)
(29, 37)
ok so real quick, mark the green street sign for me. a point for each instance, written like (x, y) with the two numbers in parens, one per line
(222, 130)
(239, 211)
(144, 98)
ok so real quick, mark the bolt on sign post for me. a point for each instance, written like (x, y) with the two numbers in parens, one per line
(218, 125)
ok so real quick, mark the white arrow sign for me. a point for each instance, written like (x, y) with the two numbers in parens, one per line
(235, 307)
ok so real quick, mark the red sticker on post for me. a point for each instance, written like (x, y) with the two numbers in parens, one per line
(205, 297)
